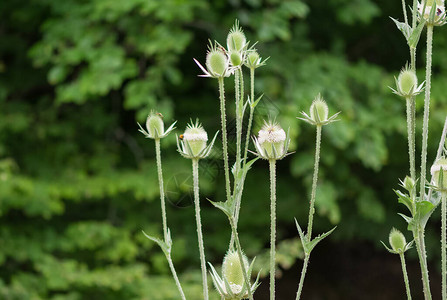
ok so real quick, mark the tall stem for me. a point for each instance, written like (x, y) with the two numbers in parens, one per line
(247, 142)
(237, 86)
(443, 244)
(163, 214)
(314, 184)
(224, 136)
(195, 175)
(418, 235)
(405, 12)
(426, 109)
(272, 164)
(303, 275)
(411, 145)
(162, 192)
(404, 271)
(239, 253)
(174, 274)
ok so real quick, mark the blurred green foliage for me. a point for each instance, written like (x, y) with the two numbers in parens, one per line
(78, 182)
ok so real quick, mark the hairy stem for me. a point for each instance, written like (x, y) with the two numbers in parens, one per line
(272, 164)
(303, 275)
(443, 244)
(247, 141)
(174, 274)
(405, 12)
(162, 192)
(426, 109)
(414, 16)
(314, 184)
(418, 235)
(239, 253)
(224, 137)
(195, 174)
(237, 76)
(404, 271)
(411, 138)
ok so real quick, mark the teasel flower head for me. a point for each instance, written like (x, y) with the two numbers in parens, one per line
(155, 126)
(193, 142)
(407, 83)
(253, 60)
(433, 12)
(236, 40)
(397, 242)
(217, 62)
(272, 142)
(318, 113)
(232, 285)
(439, 174)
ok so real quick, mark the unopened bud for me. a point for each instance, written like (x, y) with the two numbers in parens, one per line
(397, 241)
(154, 125)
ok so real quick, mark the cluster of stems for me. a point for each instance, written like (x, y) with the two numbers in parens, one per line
(419, 220)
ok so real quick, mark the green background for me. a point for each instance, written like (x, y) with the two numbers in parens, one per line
(78, 182)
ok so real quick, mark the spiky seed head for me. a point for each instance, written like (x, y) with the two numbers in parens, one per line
(235, 58)
(236, 39)
(154, 124)
(217, 62)
(439, 174)
(196, 137)
(407, 81)
(253, 58)
(272, 136)
(232, 268)
(397, 241)
(319, 108)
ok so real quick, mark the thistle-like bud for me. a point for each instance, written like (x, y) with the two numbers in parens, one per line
(232, 285)
(397, 241)
(192, 143)
(217, 63)
(319, 113)
(232, 269)
(235, 58)
(439, 174)
(272, 141)
(236, 40)
(409, 184)
(155, 126)
(253, 60)
(407, 83)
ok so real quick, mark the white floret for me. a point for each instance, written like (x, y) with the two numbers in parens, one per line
(271, 135)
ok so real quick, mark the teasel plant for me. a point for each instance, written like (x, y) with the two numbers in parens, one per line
(220, 63)
(427, 14)
(192, 144)
(272, 144)
(155, 130)
(319, 117)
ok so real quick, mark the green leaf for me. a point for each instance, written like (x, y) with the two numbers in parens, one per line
(311, 245)
(405, 200)
(166, 247)
(403, 27)
(415, 35)
(302, 237)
